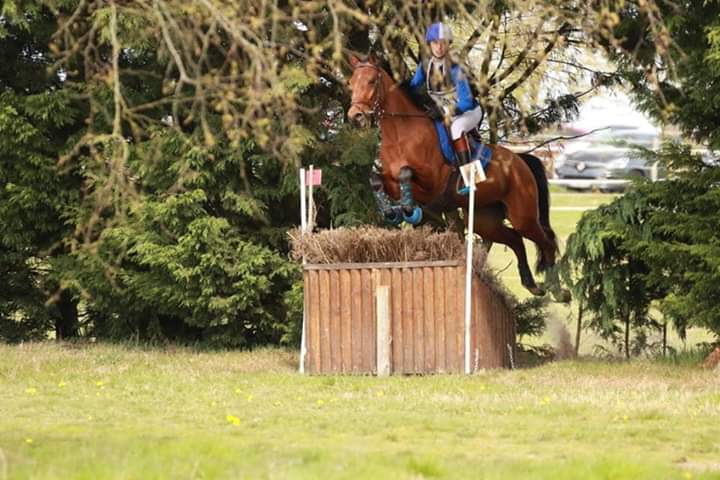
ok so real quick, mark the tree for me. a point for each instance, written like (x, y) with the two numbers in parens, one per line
(174, 130)
(604, 273)
(671, 226)
(36, 199)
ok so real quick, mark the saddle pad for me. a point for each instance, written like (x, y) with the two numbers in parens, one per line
(445, 143)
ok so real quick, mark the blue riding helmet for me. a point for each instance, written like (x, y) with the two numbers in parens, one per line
(438, 31)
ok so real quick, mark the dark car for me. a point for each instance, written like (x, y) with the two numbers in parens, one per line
(606, 167)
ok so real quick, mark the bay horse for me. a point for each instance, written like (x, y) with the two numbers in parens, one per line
(413, 170)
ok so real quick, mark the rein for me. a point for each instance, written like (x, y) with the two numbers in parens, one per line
(376, 108)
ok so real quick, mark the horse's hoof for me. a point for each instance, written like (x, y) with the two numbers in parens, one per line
(415, 217)
(394, 216)
(537, 291)
(562, 296)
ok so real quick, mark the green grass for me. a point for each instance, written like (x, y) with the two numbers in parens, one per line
(102, 411)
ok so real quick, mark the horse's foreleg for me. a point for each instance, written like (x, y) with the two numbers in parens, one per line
(412, 213)
(391, 212)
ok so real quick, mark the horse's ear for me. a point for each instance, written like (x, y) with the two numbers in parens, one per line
(372, 59)
(354, 60)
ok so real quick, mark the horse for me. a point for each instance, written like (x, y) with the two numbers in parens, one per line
(413, 172)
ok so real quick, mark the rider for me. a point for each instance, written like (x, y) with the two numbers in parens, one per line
(448, 86)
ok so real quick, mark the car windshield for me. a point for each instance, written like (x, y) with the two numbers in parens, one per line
(598, 155)
(622, 136)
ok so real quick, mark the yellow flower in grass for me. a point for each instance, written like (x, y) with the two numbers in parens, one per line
(99, 383)
(28, 441)
(320, 403)
(380, 393)
(61, 385)
(31, 391)
(233, 420)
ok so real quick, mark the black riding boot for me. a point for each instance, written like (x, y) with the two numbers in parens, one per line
(462, 158)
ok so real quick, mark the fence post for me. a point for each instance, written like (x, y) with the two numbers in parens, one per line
(383, 330)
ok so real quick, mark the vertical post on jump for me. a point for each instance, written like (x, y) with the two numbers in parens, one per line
(311, 202)
(469, 267)
(303, 229)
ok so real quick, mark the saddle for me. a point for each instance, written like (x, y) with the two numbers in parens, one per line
(478, 150)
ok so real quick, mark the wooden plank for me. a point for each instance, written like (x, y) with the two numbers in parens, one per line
(368, 318)
(407, 322)
(386, 280)
(451, 319)
(396, 321)
(440, 320)
(345, 321)
(312, 312)
(335, 333)
(418, 320)
(460, 338)
(325, 356)
(383, 330)
(380, 265)
(480, 326)
(429, 320)
(356, 320)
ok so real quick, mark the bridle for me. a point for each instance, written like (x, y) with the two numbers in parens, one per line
(376, 108)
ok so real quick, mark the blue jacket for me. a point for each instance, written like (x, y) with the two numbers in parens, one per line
(464, 98)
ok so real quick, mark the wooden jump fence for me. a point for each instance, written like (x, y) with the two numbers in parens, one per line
(401, 318)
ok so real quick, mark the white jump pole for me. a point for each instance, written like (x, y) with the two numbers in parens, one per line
(311, 203)
(468, 269)
(303, 230)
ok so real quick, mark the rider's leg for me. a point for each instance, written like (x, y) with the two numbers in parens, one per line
(462, 150)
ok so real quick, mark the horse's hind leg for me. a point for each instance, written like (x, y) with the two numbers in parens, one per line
(489, 225)
(526, 222)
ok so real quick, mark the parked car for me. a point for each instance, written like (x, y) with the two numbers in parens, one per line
(606, 165)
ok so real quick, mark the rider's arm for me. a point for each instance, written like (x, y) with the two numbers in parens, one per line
(419, 78)
(465, 99)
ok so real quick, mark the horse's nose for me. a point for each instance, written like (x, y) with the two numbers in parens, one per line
(356, 117)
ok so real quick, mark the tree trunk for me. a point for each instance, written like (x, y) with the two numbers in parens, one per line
(579, 328)
(627, 336)
(66, 325)
(664, 339)
(492, 123)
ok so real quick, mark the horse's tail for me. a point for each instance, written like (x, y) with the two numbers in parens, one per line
(538, 171)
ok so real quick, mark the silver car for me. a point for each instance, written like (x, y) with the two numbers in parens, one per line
(604, 168)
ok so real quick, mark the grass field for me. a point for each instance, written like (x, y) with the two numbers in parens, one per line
(100, 411)
(90, 411)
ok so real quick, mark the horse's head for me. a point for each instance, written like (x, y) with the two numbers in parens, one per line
(366, 85)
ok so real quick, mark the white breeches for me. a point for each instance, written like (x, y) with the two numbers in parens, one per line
(465, 122)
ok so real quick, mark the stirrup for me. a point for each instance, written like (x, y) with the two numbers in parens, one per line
(460, 187)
